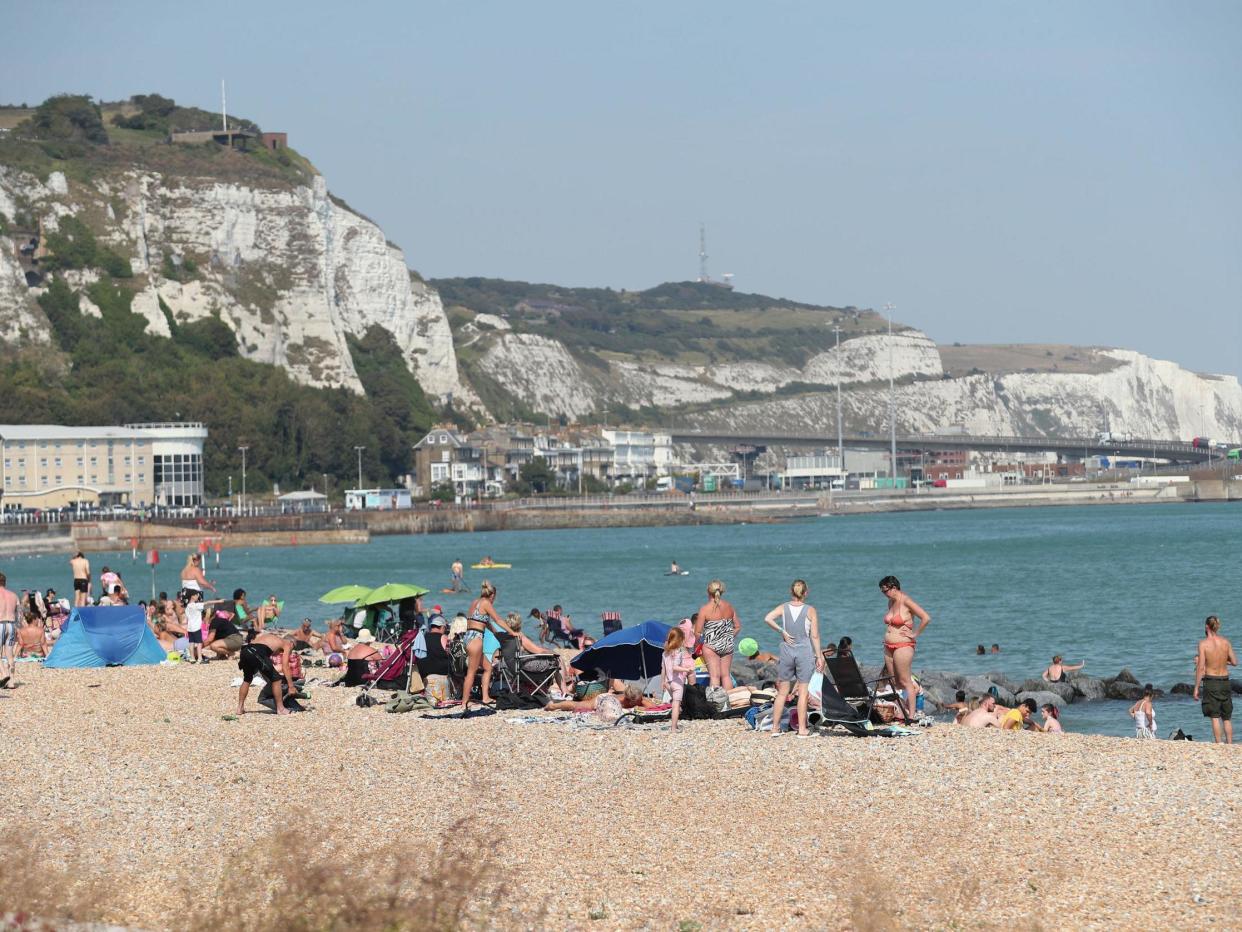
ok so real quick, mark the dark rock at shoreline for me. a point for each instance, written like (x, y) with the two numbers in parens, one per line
(1125, 676)
(1001, 680)
(1064, 690)
(1043, 697)
(1089, 688)
(1120, 689)
(1236, 686)
(1183, 689)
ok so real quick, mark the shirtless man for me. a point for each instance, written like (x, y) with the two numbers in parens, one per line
(256, 658)
(305, 637)
(1212, 665)
(81, 578)
(986, 716)
(457, 569)
(8, 630)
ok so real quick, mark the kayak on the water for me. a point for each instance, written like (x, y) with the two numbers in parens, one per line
(679, 573)
(491, 566)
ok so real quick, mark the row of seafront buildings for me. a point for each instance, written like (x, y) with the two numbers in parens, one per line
(490, 461)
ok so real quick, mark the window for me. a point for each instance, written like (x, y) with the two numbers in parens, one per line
(79, 462)
(94, 460)
(142, 477)
(56, 462)
(43, 482)
(127, 461)
(8, 463)
(142, 461)
(445, 456)
(43, 462)
(21, 480)
(21, 444)
(444, 438)
(80, 478)
(127, 477)
(439, 472)
(59, 480)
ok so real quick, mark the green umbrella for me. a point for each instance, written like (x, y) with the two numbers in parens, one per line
(390, 592)
(344, 594)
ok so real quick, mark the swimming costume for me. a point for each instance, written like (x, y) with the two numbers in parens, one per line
(469, 635)
(797, 660)
(8, 633)
(81, 585)
(1217, 701)
(718, 635)
(895, 646)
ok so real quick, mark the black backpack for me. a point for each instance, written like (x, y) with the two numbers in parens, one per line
(694, 702)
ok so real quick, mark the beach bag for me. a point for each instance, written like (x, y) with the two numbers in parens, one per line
(608, 709)
(457, 657)
(717, 698)
(739, 697)
(415, 684)
(437, 687)
(587, 690)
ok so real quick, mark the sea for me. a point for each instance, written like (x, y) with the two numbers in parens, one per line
(1114, 586)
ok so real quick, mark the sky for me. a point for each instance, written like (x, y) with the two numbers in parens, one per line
(1056, 172)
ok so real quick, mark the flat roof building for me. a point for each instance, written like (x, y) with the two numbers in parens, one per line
(48, 465)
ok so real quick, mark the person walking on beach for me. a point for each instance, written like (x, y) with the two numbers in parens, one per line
(800, 655)
(1058, 668)
(678, 665)
(1144, 714)
(1212, 665)
(717, 627)
(8, 629)
(81, 579)
(479, 618)
(900, 637)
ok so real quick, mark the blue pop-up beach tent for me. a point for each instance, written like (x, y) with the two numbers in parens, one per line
(108, 636)
(629, 654)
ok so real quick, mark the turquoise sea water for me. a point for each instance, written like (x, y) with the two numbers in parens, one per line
(1123, 586)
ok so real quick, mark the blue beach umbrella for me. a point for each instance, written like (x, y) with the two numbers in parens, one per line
(630, 654)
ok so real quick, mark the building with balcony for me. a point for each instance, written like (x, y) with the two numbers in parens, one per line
(47, 466)
(639, 454)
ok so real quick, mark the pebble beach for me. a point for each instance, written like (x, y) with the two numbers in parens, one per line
(144, 789)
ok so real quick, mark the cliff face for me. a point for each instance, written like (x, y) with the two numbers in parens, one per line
(288, 268)
(1139, 395)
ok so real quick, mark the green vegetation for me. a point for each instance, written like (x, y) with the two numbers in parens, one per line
(118, 372)
(74, 246)
(81, 138)
(685, 322)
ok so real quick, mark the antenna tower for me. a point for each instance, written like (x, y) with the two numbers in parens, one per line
(703, 276)
(224, 116)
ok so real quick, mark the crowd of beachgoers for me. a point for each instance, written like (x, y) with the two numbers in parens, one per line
(481, 658)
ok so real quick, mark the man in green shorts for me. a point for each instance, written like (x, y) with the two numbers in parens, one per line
(1212, 665)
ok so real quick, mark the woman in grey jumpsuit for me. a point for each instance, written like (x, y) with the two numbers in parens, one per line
(798, 625)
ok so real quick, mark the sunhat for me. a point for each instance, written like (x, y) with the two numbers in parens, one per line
(365, 637)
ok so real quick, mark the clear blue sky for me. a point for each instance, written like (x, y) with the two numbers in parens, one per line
(1051, 172)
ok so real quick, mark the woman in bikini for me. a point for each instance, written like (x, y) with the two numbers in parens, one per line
(481, 616)
(900, 636)
(717, 627)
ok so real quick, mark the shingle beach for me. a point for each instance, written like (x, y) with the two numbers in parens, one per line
(137, 777)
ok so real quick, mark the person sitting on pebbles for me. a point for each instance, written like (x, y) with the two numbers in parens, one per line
(1019, 717)
(305, 637)
(32, 638)
(985, 714)
(255, 658)
(631, 698)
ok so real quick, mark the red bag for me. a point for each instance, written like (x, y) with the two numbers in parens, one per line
(295, 665)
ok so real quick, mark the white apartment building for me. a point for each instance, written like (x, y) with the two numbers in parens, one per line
(639, 454)
(46, 465)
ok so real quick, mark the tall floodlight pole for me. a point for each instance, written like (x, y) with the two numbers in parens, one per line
(359, 450)
(840, 428)
(892, 398)
(243, 490)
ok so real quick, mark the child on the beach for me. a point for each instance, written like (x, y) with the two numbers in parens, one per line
(678, 665)
(194, 608)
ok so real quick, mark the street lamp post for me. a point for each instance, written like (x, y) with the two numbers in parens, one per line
(359, 450)
(840, 428)
(243, 449)
(892, 399)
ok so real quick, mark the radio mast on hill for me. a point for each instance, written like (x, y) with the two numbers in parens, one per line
(703, 276)
(224, 115)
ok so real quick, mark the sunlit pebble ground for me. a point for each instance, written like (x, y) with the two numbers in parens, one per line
(715, 825)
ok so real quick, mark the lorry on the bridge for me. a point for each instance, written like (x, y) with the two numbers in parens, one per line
(1201, 443)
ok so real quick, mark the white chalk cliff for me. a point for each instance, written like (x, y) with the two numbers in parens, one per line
(288, 268)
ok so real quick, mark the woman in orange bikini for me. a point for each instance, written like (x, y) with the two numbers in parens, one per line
(900, 636)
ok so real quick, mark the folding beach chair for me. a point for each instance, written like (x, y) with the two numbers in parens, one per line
(612, 622)
(553, 631)
(860, 692)
(523, 674)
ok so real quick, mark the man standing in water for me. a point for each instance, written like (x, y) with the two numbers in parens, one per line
(1212, 674)
(81, 578)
